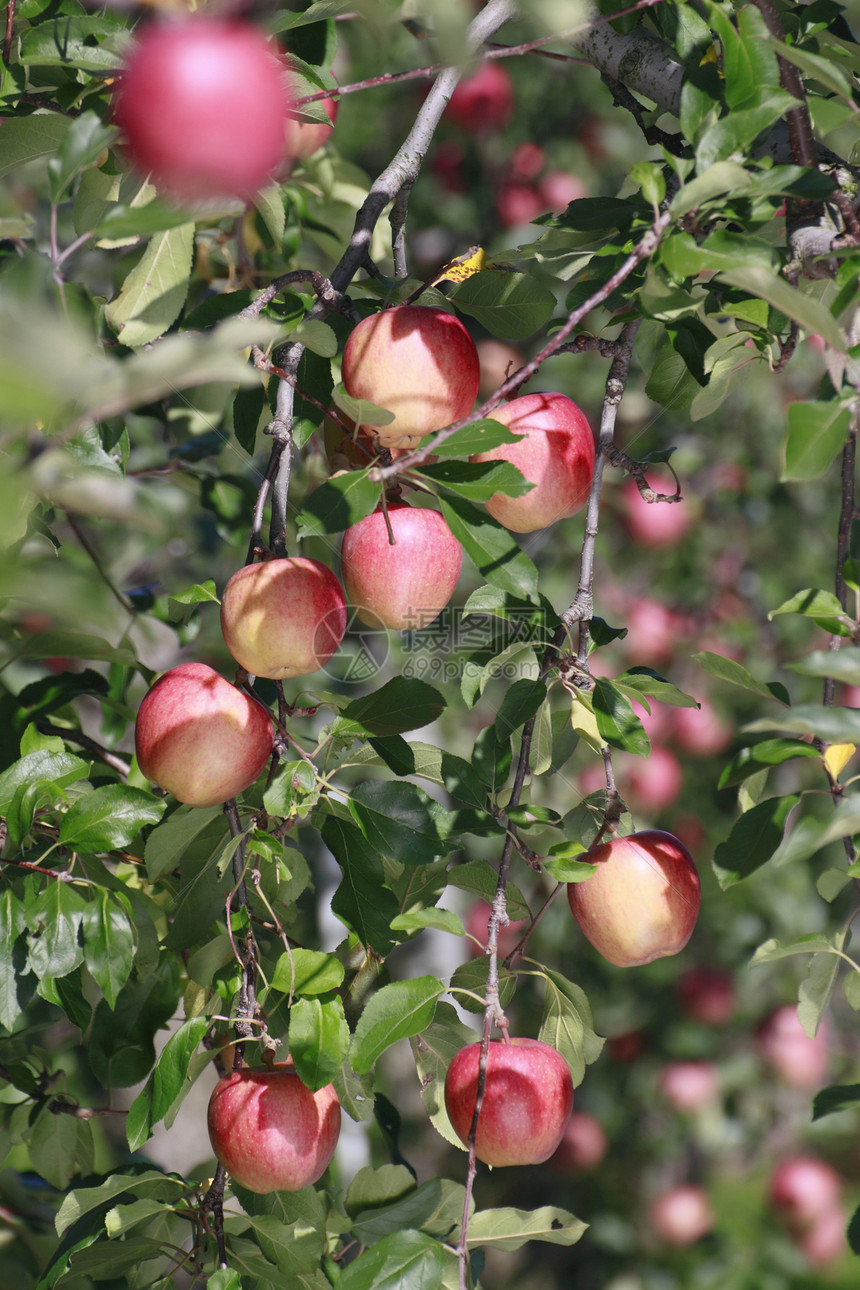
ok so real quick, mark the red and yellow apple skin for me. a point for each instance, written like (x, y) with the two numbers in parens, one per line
(528, 1097)
(407, 585)
(269, 1131)
(201, 738)
(283, 617)
(643, 901)
(203, 103)
(418, 362)
(555, 452)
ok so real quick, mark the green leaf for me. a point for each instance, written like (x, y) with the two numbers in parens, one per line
(617, 722)
(753, 840)
(477, 481)
(337, 503)
(442, 920)
(168, 1083)
(728, 670)
(510, 305)
(520, 703)
(27, 138)
(510, 1229)
(59, 768)
(168, 842)
(491, 548)
(361, 412)
(816, 434)
(109, 818)
(403, 1261)
(53, 921)
(434, 1050)
(152, 296)
(61, 1146)
(836, 1097)
(401, 704)
(469, 984)
(319, 1039)
(400, 820)
(397, 1011)
(770, 752)
(723, 177)
(567, 1024)
(842, 664)
(480, 878)
(803, 309)
(108, 943)
(821, 606)
(11, 926)
(833, 725)
(477, 436)
(84, 1200)
(83, 143)
(307, 972)
(362, 901)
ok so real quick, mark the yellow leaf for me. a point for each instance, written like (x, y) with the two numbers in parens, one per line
(837, 757)
(584, 722)
(463, 267)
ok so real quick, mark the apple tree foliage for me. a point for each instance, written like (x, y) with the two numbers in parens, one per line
(164, 380)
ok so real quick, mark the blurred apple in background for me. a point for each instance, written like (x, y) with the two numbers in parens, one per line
(803, 1188)
(653, 524)
(476, 924)
(689, 1086)
(484, 101)
(583, 1145)
(799, 1061)
(682, 1215)
(304, 137)
(654, 632)
(707, 994)
(702, 731)
(650, 784)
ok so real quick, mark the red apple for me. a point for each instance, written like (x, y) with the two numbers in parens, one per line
(418, 362)
(304, 138)
(203, 105)
(707, 994)
(702, 731)
(404, 586)
(802, 1189)
(269, 1131)
(555, 451)
(689, 1086)
(643, 901)
(527, 161)
(799, 1061)
(682, 1215)
(483, 101)
(653, 524)
(528, 1096)
(201, 738)
(283, 617)
(583, 1144)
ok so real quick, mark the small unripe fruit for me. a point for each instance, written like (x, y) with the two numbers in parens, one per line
(283, 617)
(528, 1096)
(269, 1131)
(201, 738)
(203, 103)
(643, 901)
(418, 362)
(404, 586)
